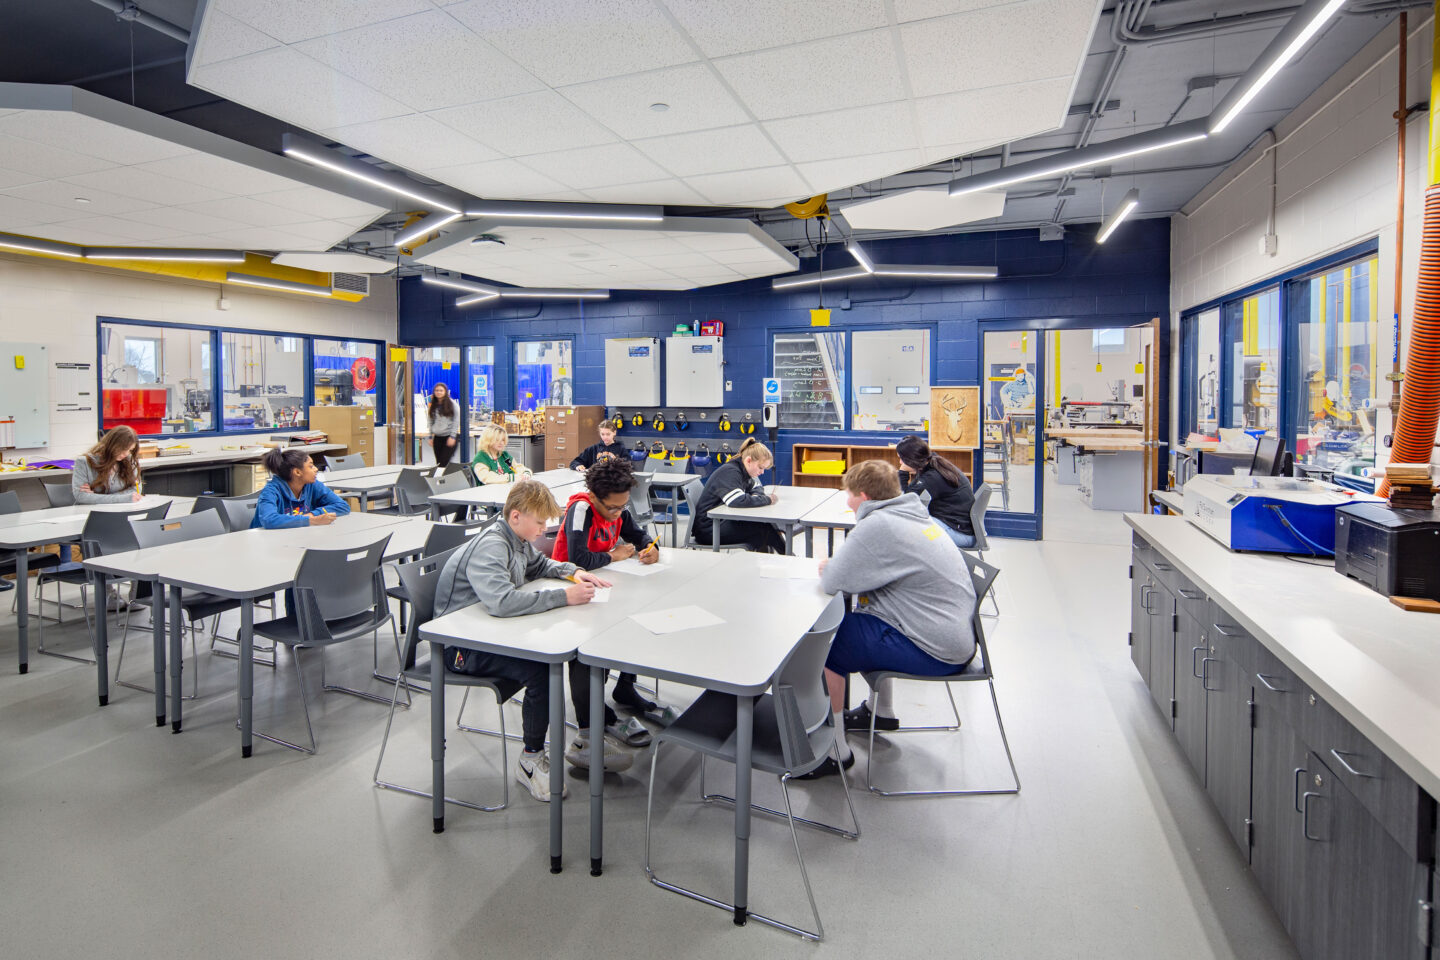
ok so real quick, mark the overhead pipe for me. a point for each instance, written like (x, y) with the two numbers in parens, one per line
(1401, 113)
(127, 10)
(1125, 27)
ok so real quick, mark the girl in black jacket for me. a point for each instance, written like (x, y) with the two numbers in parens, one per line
(950, 495)
(736, 483)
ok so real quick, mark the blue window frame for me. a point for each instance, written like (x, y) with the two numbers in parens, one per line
(885, 391)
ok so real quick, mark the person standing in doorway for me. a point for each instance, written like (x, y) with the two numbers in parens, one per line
(444, 424)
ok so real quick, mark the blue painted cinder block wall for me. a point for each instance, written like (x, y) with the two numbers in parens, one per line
(1073, 281)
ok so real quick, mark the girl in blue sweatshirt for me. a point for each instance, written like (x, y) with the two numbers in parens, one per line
(293, 497)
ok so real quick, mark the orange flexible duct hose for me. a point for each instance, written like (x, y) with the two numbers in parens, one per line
(1420, 399)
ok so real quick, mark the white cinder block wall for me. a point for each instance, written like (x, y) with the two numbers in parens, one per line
(1335, 188)
(55, 303)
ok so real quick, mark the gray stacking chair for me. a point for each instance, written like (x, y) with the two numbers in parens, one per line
(196, 607)
(640, 507)
(236, 513)
(419, 580)
(339, 595)
(10, 503)
(105, 531)
(793, 734)
(691, 492)
(977, 524)
(59, 494)
(450, 483)
(442, 538)
(982, 575)
(412, 493)
(353, 461)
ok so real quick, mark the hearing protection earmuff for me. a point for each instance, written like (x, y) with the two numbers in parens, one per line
(618, 422)
(658, 423)
(724, 423)
(747, 426)
(680, 422)
(638, 420)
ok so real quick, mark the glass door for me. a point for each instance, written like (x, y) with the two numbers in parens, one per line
(1010, 366)
(479, 394)
(431, 365)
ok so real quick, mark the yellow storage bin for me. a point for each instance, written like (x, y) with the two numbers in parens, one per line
(831, 467)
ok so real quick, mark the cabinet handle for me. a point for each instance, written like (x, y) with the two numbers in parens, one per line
(1295, 790)
(1305, 816)
(1205, 672)
(1163, 567)
(1268, 685)
(1191, 594)
(1224, 632)
(1346, 764)
(1194, 663)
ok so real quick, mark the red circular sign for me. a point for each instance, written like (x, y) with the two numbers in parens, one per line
(363, 373)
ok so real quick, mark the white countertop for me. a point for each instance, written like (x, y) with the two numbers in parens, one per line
(1376, 664)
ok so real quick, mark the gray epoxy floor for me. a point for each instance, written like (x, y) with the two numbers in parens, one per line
(123, 840)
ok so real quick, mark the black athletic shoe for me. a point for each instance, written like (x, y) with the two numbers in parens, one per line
(6, 585)
(859, 719)
(627, 697)
(828, 768)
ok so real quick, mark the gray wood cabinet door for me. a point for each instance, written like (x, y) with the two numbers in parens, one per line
(1227, 730)
(1161, 604)
(1140, 587)
(1278, 757)
(1191, 648)
(1313, 866)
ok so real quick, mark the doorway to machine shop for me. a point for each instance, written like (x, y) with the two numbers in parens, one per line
(1073, 417)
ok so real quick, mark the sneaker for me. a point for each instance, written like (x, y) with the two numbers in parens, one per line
(6, 585)
(626, 697)
(533, 770)
(828, 768)
(617, 759)
(628, 733)
(859, 719)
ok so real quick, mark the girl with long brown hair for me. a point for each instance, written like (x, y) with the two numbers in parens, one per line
(109, 472)
(444, 417)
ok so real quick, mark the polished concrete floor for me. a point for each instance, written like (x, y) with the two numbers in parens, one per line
(123, 840)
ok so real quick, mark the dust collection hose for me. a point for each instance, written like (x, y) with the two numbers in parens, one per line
(1420, 396)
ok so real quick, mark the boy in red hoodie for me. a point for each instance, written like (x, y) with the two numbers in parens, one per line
(596, 530)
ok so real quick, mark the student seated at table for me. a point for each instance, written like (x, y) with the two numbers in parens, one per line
(735, 483)
(913, 598)
(951, 497)
(607, 449)
(109, 472)
(293, 497)
(489, 571)
(596, 530)
(492, 463)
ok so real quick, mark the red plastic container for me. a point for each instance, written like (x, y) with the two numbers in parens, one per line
(141, 408)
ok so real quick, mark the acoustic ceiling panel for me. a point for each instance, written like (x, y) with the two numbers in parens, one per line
(721, 101)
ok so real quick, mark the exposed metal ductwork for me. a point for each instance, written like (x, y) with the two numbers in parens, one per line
(129, 10)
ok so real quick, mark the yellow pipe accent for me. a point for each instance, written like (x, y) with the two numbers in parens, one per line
(1320, 322)
(1056, 362)
(1374, 327)
(1435, 92)
(1345, 335)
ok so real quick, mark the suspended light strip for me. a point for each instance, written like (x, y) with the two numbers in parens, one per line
(1092, 156)
(810, 279)
(425, 226)
(10, 242)
(289, 286)
(549, 293)
(177, 255)
(1285, 47)
(938, 272)
(1128, 203)
(477, 298)
(468, 286)
(348, 167)
(593, 212)
(860, 257)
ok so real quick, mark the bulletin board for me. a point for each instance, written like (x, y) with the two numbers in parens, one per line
(25, 392)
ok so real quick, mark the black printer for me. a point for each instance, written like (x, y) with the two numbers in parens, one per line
(1393, 552)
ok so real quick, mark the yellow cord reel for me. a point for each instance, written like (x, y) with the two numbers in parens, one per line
(807, 209)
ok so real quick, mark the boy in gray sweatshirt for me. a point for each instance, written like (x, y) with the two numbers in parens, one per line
(489, 571)
(912, 589)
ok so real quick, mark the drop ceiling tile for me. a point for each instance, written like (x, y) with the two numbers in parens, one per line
(694, 95)
(712, 151)
(426, 61)
(313, 96)
(924, 208)
(14, 178)
(28, 158)
(291, 22)
(648, 247)
(415, 141)
(845, 133)
(825, 176)
(222, 37)
(530, 123)
(262, 238)
(497, 179)
(750, 186)
(679, 261)
(739, 26)
(16, 212)
(87, 234)
(78, 133)
(143, 185)
(1054, 34)
(322, 203)
(572, 41)
(672, 192)
(131, 231)
(851, 71)
(209, 170)
(324, 232)
(1004, 113)
(248, 211)
(908, 10)
(563, 196)
(608, 165)
(715, 243)
(101, 203)
(182, 221)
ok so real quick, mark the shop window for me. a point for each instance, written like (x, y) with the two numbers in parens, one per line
(155, 379)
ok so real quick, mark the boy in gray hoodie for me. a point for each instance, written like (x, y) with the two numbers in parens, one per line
(912, 589)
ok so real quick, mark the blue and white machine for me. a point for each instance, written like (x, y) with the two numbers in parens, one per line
(1270, 514)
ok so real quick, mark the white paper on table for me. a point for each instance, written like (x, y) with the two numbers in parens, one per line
(676, 619)
(602, 595)
(789, 571)
(634, 567)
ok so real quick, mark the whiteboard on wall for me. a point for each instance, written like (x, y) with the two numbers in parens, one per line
(25, 392)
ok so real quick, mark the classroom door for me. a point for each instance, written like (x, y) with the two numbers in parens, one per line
(429, 366)
(1011, 364)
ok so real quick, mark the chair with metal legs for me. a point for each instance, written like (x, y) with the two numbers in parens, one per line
(10, 503)
(105, 532)
(354, 461)
(59, 494)
(977, 525)
(196, 607)
(982, 575)
(419, 579)
(339, 595)
(442, 538)
(793, 734)
(236, 513)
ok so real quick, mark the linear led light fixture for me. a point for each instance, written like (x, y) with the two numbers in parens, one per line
(289, 286)
(861, 257)
(362, 171)
(431, 224)
(477, 298)
(822, 276)
(552, 293)
(11, 242)
(155, 253)
(1286, 46)
(556, 210)
(469, 286)
(936, 271)
(1128, 203)
(1096, 155)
